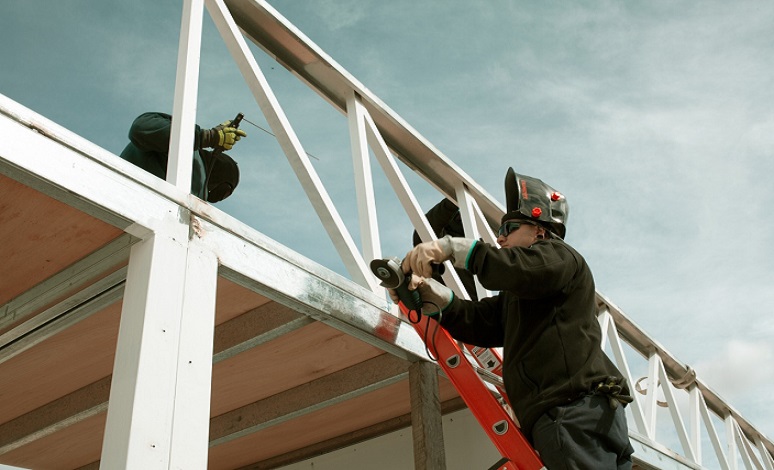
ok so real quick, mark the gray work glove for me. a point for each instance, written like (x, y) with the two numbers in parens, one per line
(435, 296)
(421, 258)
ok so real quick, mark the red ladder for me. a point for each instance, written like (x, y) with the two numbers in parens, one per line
(516, 451)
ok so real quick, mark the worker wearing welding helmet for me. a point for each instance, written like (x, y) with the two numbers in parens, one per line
(566, 393)
(215, 174)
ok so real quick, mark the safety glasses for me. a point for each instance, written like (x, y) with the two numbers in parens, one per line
(510, 226)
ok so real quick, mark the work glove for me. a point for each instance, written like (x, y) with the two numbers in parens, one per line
(435, 296)
(421, 258)
(613, 389)
(222, 136)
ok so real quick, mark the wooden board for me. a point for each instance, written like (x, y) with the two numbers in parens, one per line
(40, 236)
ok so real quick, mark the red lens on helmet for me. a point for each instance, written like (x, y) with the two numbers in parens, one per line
(555, 196)
(536, 212)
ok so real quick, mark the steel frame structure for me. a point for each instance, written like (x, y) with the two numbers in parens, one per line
(158, 401)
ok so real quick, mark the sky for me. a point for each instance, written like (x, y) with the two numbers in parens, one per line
(653, 118)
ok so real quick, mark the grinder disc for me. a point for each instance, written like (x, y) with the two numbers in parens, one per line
(388, 271)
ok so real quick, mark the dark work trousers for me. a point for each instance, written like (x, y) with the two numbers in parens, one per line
(586, 434)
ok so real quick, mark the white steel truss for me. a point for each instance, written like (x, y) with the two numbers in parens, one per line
(169, 220)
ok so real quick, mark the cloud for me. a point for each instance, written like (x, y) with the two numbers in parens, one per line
(741, 366)
(337, 14)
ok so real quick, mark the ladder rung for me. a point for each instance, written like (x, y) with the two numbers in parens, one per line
(490, 377)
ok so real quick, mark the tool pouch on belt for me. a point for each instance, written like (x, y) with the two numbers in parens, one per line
(615, 389)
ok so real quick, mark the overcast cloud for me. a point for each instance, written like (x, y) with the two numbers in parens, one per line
(654, 118)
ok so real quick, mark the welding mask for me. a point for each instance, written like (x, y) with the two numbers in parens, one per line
(530, 198)
(222, 175)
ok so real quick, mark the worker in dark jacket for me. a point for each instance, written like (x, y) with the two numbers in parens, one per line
(215, 174)
(566, 393)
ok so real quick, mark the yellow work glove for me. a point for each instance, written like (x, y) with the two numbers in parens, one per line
(222, 136)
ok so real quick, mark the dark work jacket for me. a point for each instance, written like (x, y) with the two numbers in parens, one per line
(545, 320)
(148, 148)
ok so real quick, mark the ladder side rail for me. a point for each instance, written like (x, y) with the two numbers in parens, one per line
(291, 145)
(492, 417)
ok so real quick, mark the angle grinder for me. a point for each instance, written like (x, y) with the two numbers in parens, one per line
(392, 276)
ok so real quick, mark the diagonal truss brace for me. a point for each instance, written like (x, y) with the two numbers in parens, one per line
(290, 144)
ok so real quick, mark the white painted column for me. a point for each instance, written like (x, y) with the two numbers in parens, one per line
(158, 415)
(191, 419)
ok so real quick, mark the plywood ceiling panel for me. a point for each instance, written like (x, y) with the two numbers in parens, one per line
(40, 236)
(358, 413)
(293, 359)
(72, 447)
(72, 359)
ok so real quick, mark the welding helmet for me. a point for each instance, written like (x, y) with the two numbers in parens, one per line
(531, 199)
(222, 175)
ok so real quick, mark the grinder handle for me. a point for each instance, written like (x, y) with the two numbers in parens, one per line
(410, 298)
(392, 277)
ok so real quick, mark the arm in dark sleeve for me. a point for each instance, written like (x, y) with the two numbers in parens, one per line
(442, 216)
(475, 322)
(544, 268)
(150, 132)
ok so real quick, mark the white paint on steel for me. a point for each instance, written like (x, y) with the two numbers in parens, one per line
(364, 185)
(291, 146)
(475, 227)
(87, 177)
(180, 163)
(191, 418)
(717, 445)
(616, 347)
(694, 422)
(138, 431)
(408, 200)
(674, 410)
(652, 394)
